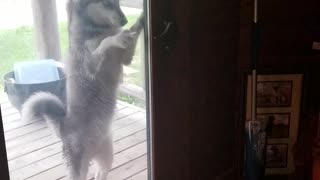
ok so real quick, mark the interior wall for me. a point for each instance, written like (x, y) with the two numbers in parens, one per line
(288, 28)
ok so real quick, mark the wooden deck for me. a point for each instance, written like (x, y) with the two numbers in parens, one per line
(34, 153)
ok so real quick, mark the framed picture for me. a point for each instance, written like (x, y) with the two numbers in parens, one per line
(274, 93)
(277, 155)
(280, 124)
(278, 99)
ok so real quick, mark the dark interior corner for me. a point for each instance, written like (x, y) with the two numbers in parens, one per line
(288, 30)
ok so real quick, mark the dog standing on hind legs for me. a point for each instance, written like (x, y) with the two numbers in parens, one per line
(98, 49)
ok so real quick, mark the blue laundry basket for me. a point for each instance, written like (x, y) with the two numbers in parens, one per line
(31, 77)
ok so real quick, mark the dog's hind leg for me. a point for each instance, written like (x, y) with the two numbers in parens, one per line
(104, 158)
(78, 163)
(79, 171)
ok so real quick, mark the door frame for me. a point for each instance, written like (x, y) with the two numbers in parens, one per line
(4, 170)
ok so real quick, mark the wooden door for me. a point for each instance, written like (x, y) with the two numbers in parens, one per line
(194, 101)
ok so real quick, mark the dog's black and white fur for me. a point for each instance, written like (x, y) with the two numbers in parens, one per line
(98, 48)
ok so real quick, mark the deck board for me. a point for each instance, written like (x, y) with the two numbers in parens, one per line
(25, 130)
(10, 118)
(5, 106)
(140, 175)
(35, 153)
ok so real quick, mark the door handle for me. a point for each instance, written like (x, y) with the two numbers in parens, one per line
(165, 31)
(167, 38)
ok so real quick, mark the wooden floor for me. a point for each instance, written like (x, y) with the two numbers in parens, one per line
(35, 154)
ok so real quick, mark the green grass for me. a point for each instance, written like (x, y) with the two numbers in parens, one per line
(131, 100)
(18, 45)
(15, 45)
(63, 35)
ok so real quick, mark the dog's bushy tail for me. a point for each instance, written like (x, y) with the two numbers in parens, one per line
(45, 106)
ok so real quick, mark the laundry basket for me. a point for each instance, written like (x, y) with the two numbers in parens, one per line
(31, 77)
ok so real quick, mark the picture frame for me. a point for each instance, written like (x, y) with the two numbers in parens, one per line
(274, 93)
(277, 155)
(278, 99)
(280, 124)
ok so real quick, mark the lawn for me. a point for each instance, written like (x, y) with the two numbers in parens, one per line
(19, 45)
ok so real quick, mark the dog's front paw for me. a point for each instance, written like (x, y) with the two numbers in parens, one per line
(125, 39)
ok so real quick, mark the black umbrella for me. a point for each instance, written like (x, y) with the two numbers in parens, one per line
(256, 131)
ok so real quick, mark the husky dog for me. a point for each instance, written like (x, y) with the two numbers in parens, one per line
(98, 48)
